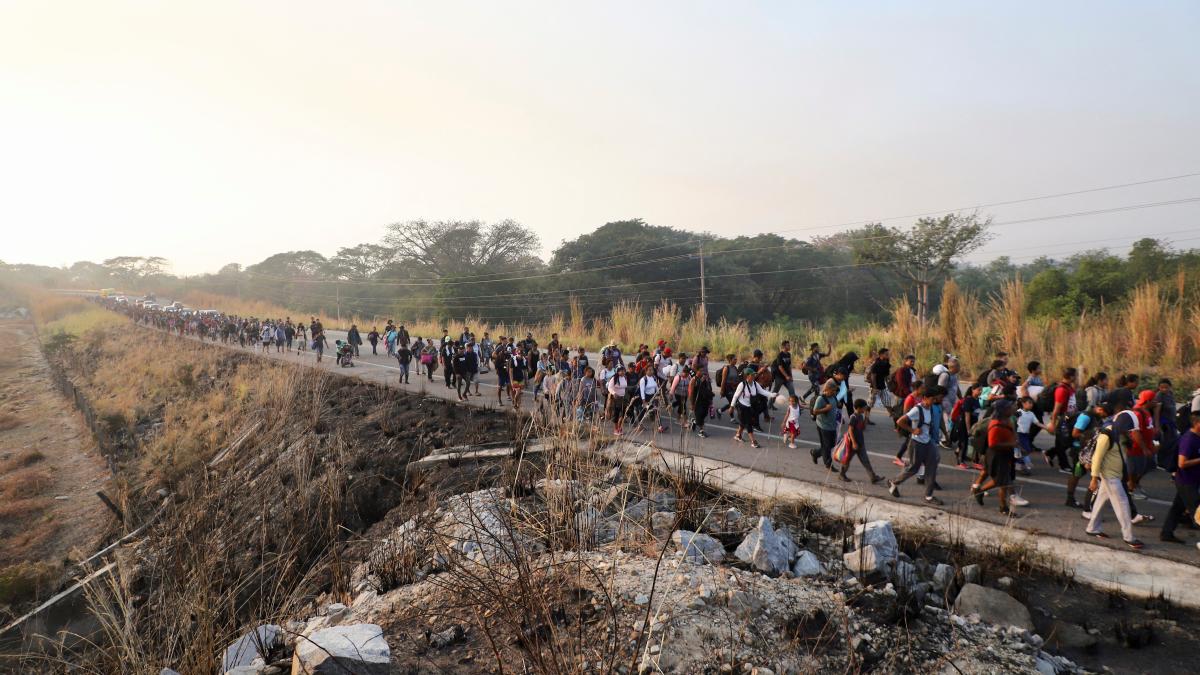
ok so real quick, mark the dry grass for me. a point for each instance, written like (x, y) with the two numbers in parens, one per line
(8, 420)
(24, 483)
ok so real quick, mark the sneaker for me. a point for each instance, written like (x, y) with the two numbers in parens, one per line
(754, 444)
(1067, 472)
(933, 500)
(898, 462)
(1071, 503)
(1018, 500)
(977, 466)
(792, 446)
(870, 423)
(893, 490)
(1139, 495)
(844, 478)
(875, 479)
(978, 496)
(1136, 545)
(702, 434)
(739, 439)
(920, 480)
(1142, 518)
(1009, 513)
(1171, 539)
(963, 466)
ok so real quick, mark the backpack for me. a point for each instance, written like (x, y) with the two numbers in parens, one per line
(1045, 398)
(924, 422)
(1089, 450)
(1183, 418)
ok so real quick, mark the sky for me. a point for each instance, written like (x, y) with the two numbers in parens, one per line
(225, 131)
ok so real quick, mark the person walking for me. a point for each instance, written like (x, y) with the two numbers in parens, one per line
(700, 396)
(877, 379)
(743, 398)
(856, 438)
(404, 357)
(824, 412)
(1187, 482)
(354, 338)
(916, 423)
(781, 370)
(1108, 467)
(373, 338)
(615, 405)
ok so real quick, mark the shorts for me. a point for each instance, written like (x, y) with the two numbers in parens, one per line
(999, 465)
(747, 417)
(793, 429)
(502, 378)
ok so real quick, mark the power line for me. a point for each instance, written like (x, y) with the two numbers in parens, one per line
(467, 282)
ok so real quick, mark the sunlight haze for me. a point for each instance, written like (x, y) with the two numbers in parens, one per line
(219, 132)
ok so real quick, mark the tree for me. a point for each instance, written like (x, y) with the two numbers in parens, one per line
(129, 268)
(447, 247)
(230, 270)
(925, 253)
(290, 264)
(361, 262)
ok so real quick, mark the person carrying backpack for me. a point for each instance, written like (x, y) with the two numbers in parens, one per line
(1187, 481)
(917, 424)
(1108, 467)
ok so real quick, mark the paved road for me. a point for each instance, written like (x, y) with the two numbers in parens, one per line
(1045, 489)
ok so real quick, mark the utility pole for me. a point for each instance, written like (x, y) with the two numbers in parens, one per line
(337, 294)
(703, 305)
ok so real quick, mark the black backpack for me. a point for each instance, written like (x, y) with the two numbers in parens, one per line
(1045, 398)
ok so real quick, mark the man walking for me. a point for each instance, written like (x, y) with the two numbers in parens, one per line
(917, 423)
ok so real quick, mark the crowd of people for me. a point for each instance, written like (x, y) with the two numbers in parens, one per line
(1107, 433)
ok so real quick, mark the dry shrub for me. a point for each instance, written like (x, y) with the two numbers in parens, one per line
(26, 581)
(1144, 324)
(906, 327)
(1007, 310)
(958, 315)
(9, 421)
(24, 458)
(24, 483)
(17, 509)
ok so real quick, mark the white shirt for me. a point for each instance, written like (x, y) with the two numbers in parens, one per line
(921, 417)
(793, 415)
(1025, 420)
(648, 386)
(745, 392)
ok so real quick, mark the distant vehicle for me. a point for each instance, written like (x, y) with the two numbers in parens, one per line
(105, 292)
(151, 305)
(186, 312)
(208, 312)
(177, 304)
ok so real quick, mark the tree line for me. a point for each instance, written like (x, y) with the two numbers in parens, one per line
(455, 269)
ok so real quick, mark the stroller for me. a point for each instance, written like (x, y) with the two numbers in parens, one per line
(345, 353)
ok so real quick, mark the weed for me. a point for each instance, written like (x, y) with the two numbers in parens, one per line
(26, 581)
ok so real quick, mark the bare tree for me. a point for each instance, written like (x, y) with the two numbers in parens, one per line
(923, 254)
(445, 247)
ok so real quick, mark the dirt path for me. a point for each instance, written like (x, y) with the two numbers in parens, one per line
(50, 468)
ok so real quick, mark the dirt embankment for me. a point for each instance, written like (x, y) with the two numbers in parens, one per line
(270, 469)
(49, 472)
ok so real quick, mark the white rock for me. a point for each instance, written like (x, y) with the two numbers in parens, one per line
(698, 548)
(641, 599)
(993, 606)
(864, 561)
(972, 574)
(767, 549)
(252, 645)
(878, 533)
(359, 648)
(943, 577)
(905, 574)
(807, 565)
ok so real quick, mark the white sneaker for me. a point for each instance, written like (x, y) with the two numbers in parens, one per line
(1018, 500)
(792, 446)
(1139, 495)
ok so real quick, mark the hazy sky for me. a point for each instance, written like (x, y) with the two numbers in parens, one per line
(213, 132)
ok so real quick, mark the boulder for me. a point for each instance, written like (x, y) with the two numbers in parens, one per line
(661, 523)
(992, 606)
(943, 577)
(767, 549)
(253, 645)
(878, 533)
(972, 574)
(904, 574)
(1072, 636)
(865, 561)
(358, 648)
(255, 668)
(698, 548)
(807, 565)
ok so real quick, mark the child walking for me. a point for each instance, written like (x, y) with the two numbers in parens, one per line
(1026, 421)
(791, 423)
(857, 441)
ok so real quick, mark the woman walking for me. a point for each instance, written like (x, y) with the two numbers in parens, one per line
(743, 400)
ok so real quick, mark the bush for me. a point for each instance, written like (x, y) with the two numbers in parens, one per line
(26, 581)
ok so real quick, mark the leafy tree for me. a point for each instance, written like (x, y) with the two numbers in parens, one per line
(290, 264)
(447, 247)
(361, 261)
(923, 254)
(1050, 293)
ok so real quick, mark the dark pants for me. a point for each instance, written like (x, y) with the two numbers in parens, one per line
(926, 455)
(828, 438)
(1186, 499)
(374, 345)
(781, 383)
